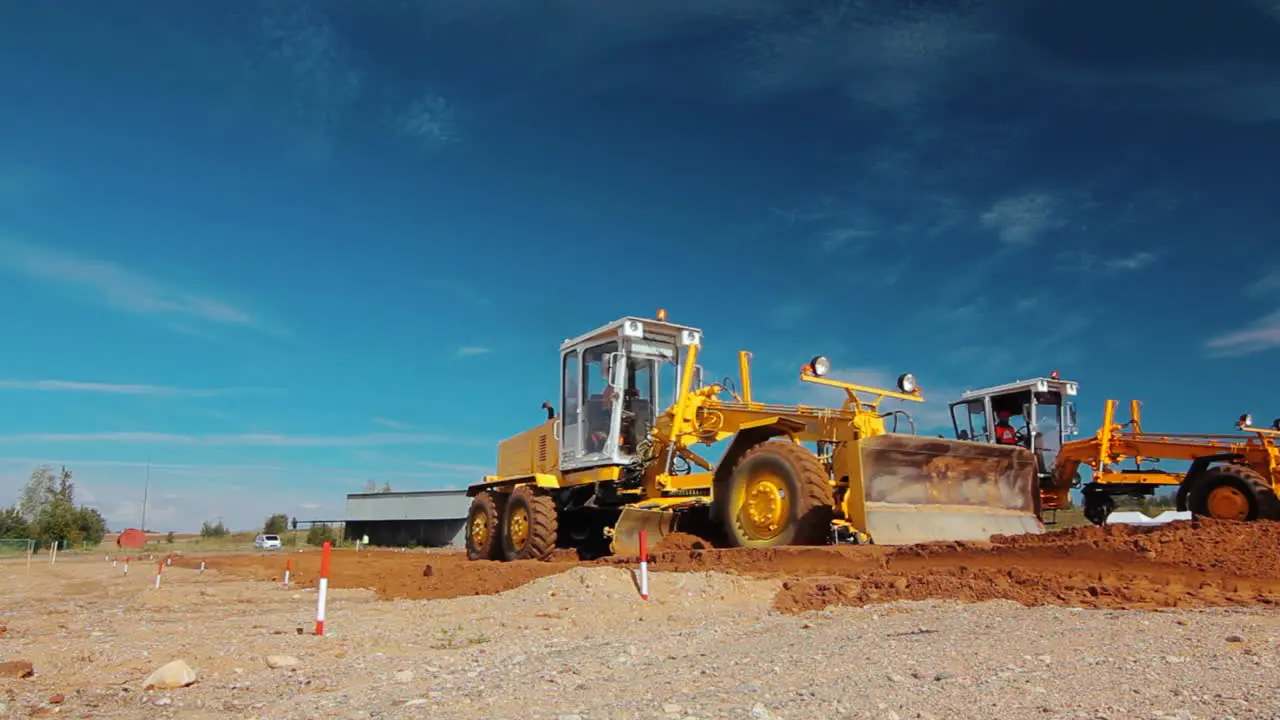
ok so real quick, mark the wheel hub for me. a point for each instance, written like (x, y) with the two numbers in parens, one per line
(1228, 503)
(765, 506)
(518, 527)
(479, 530)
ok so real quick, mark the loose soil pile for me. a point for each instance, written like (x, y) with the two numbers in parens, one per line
(1186, 564)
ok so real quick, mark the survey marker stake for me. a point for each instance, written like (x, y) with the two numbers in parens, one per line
(644, 565)
(323, 594)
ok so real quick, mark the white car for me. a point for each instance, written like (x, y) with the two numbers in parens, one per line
(267, 542)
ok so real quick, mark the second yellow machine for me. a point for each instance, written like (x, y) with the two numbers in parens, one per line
(620, 459)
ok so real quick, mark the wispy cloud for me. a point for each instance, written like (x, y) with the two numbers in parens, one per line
(1136, 261)
(393, 424)
(238, 440)
(1022, 219)
(470, 350)
(1262, 335)
(454, 467)
(1265, 284)
(458, 290)
(121, 288)
(790, 313)
(117, 388)
(1084, 262)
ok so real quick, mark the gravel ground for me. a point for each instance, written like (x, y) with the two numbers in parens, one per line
(582, 645)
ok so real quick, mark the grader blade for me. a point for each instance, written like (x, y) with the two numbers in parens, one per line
(918, 489)
(657, 522)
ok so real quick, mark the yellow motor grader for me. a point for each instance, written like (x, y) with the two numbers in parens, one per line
(620, 459)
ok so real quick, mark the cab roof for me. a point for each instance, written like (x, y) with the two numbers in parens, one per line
(652, 327)
(1036, 384)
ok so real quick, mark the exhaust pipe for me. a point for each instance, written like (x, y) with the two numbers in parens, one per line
(551, 411)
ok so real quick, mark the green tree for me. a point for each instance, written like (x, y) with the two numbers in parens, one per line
(276, 524)
(169, 538)
(91, 524)
(58, 523)
(212, 530)
(13, 525)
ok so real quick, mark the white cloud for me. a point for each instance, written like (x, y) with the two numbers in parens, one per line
(894, 60)
(1136, 261)
(110, 388)
(236, 440)
(1265, 284)
(393, 424)
(1262, 335)
(454, 467)
(470, 350)
(430, 121)
(1020, 220)
(120, 287)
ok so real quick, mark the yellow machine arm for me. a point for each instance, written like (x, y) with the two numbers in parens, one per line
(1114, 443)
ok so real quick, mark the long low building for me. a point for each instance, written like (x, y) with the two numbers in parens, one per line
(428, 518)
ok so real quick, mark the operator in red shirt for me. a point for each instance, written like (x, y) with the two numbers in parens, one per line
(1005, 434)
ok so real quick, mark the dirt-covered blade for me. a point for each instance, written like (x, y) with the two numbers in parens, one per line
(922, 489)
(657, 522)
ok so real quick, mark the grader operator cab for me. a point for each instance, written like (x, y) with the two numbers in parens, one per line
(1037, 414)
(619, 459)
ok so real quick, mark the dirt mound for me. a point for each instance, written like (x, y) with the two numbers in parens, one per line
(681, 542)
(1188, 564)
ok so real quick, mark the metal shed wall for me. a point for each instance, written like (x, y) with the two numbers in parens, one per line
(431, 518)
(426, 505)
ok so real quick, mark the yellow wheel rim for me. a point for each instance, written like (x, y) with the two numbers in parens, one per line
(763, 506)
(1228, 503)
(518, 528)
(479, 529)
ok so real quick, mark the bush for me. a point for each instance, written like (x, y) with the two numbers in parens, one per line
(318, 534)
(169, 538)
(276, 524)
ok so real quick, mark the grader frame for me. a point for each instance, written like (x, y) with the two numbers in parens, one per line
(1233, 477)
(613, 465)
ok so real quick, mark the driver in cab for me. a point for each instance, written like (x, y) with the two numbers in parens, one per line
(1004, 432)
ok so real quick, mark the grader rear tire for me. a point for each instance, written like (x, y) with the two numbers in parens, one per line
(1233, 492)
(529, 525)
(778, 494)
(483, 519)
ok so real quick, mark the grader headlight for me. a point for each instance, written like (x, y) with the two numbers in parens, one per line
(820, 366)
(907, 383)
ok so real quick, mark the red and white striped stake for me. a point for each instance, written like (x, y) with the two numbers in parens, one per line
(323, 586)
(201, 566)
(288, 565)
(644, 565)
(126, 564)
(159, 569)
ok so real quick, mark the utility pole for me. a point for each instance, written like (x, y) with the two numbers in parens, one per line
(146, 485)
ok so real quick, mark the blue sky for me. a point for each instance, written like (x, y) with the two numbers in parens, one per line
(280, 249)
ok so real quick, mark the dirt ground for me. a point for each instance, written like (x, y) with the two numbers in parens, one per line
(1203, 565)
(1175, 622)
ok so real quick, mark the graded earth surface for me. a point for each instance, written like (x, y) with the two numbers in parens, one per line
(1170, 622)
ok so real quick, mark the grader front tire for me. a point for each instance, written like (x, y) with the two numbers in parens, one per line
(483, 520)
(778, 494)
(530, 525)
